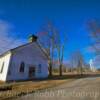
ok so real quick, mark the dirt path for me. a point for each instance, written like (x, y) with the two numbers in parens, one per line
(81, 89)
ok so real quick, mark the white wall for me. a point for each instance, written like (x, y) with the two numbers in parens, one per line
(6, 60)
(31, 55)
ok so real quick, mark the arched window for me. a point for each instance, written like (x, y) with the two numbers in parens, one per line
(22, 65)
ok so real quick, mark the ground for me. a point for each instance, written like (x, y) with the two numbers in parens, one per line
(51, 87)
(80, 89)
(16, 89)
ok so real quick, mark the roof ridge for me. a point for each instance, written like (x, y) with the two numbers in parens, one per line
(10, 50)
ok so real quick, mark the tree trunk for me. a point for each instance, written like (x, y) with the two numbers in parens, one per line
(60, 70)
(81, 70)
(50, 68)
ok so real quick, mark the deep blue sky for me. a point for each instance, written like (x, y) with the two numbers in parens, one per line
(70, 16)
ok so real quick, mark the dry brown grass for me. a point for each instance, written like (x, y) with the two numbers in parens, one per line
(1, 82)
(22, 88)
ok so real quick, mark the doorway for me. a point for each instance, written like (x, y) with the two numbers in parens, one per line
(32, 72)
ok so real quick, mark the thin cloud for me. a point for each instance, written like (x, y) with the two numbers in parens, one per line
(7, 40)
(97, 61)
(89, 49)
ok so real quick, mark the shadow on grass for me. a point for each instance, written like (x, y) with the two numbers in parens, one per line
(57, 77)
(69, 76)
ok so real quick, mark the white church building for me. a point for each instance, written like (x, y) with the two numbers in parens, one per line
(95, 63)
(92, 66)
(24, 62)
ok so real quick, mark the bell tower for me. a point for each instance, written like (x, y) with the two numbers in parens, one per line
(33, 38)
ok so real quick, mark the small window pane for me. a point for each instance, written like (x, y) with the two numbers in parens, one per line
(22, 65)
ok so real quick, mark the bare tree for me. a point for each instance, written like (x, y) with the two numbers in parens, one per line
(60, 50)
(51, 41)
(72, 61)
(60, 43)
(94, 30)
(48, 37)
(78, 61)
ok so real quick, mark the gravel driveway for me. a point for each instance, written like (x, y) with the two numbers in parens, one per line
(81, 89)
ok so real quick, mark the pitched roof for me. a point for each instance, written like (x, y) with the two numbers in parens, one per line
(11, 50)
